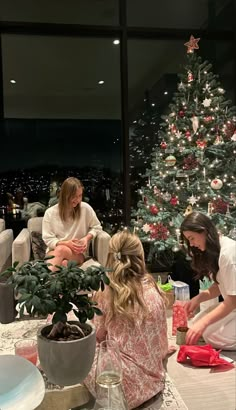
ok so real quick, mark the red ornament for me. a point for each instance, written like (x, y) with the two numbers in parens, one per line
(188, 134)
(201, 144)
(181, 113)
(219, 206)
(190, 162)
(163, 144)
(173, 128)
(190, 77)
(153, 209)
(229, 129)
(158, 231)
(174, 201)
(208, 119)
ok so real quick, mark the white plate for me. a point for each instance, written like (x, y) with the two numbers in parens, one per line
(21, 384)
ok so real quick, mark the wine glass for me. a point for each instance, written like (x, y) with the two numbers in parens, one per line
(109, 370)
(27, 348)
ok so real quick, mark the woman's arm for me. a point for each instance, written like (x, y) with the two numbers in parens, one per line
(48, 233)
(94, 225)
(220, 311)
(194, 303)
(210, 293)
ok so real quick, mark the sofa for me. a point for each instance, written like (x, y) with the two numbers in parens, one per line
(22, 245)
(7, 308)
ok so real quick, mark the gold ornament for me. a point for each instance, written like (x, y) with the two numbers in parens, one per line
(170, 161)
(188, 210)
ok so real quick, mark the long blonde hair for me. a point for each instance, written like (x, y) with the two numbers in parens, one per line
(128, 270)
(67, 192)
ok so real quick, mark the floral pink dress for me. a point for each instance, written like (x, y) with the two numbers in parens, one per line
(142, 348)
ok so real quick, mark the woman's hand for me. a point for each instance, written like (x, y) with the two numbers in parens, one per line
(80, 245)
(195, 332)
(72, 244)
(191, 305)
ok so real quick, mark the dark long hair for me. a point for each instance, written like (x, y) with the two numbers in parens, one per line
(206, 262)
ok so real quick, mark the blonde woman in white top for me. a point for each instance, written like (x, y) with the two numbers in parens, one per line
(69, 225)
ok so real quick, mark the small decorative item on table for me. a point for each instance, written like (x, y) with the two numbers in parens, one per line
(27, 348)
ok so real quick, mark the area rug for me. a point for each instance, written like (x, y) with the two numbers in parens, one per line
(169, 399)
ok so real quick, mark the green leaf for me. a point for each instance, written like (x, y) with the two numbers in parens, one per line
(36, 302)
(90, 313)
(24, 297)
(97, 311)
(105, 279)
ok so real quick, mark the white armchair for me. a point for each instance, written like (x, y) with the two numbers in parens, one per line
(21, 247)
(6, 239)
(2, 225)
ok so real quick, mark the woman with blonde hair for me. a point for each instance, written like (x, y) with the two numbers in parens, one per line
(69, 225)
(134, 316)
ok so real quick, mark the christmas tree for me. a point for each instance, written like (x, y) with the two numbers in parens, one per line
(143, 139)
(194, 168)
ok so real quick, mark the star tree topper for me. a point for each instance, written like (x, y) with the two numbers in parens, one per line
(192, 44)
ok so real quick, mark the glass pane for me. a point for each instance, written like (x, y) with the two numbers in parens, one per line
(101, 12)
(153, 76)
(199, 14)
(60, 121)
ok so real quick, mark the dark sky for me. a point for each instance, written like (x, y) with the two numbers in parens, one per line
(29, 143)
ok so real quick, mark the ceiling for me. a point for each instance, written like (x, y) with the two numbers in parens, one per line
(57, 77)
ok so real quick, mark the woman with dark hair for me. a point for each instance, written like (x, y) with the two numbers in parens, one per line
(134, 316)
(215, 257)
(69, 225)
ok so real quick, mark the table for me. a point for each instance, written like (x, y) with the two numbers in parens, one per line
(56, 397)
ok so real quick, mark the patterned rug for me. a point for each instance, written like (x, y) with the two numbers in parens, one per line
(9, 334)
(169, 399)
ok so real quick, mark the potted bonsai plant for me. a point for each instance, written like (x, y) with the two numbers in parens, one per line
(66, 349)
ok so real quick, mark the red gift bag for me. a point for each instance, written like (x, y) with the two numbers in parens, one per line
(179, 316)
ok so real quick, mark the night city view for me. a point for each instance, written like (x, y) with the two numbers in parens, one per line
(40, 161)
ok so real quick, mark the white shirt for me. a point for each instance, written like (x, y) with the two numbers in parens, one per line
(226, 275)
(54, 229)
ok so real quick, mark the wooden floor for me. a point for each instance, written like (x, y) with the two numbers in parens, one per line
(203, 388)
(199, 388)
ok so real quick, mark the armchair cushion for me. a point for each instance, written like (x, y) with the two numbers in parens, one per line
(6, 239)
(38, 245)
(2, 224)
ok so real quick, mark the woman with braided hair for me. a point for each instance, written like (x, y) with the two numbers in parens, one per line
(134, 316)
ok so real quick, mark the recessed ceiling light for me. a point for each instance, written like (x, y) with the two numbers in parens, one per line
(12, 81)
(100, 82)
(166, 92)
(116, 42)
(153, 104)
